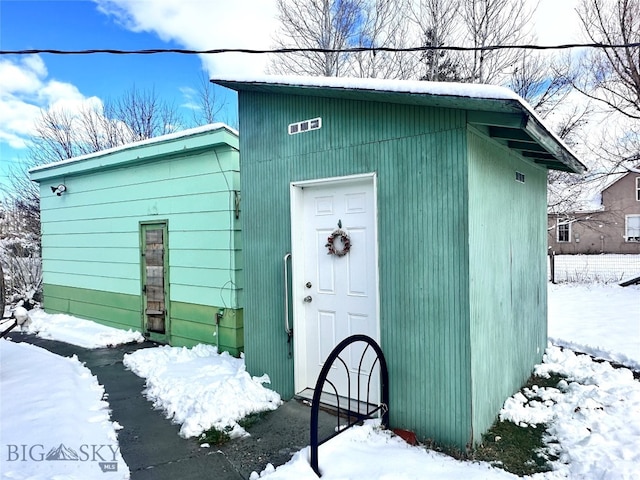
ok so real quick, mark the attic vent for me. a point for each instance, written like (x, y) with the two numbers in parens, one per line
(305, 126)
(519, 177)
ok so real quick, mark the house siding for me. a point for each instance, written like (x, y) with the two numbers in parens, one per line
(600, 231)
(419, 155)
(91, 239)
(508, 295)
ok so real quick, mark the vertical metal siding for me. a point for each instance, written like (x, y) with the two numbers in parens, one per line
(420, 157)
(507, 274)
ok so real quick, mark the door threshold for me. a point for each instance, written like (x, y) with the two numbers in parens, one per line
(338, 404)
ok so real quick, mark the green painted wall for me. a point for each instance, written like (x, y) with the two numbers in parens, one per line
(508, 291)
(90, 234)
(420, 157)
(191, 323)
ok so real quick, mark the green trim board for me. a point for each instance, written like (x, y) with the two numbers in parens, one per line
(108, 308)
(190, 323)
(186, 142)
(486, 105)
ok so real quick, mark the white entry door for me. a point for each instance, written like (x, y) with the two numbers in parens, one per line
(334, 296)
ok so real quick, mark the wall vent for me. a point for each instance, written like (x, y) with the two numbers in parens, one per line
(305, 126)
(520, 177)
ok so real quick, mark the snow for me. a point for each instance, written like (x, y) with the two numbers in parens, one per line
(64, 417)
(593, 418)
(602, 320)
(149, 141)
(200, 389)
(77, 331)
(469, 90)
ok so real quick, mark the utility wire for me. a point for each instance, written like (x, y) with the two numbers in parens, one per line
(317, 50)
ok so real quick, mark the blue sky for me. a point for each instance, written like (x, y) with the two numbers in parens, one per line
(31, 83)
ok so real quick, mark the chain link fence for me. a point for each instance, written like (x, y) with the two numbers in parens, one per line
(592, 268)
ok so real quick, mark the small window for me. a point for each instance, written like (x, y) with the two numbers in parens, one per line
(638, 189)
(564, 231)
(632, 228)
(520, 177)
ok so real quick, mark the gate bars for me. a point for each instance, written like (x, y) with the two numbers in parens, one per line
(353, 417)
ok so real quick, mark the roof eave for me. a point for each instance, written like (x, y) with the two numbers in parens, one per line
(517, 121)
(137, 152)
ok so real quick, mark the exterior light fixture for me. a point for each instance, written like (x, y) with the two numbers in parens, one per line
(59, 190)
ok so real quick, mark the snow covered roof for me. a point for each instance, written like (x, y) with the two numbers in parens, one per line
(509, 118)
(54, 168)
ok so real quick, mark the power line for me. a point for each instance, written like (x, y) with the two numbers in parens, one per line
(425, 48)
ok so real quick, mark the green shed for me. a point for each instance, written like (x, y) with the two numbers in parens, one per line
(146, 236)
(440, 192)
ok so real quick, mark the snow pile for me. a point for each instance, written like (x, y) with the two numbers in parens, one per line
(367, 452)
(200, 389)
(602, 320)
(52, 408)
(83, 333)
(593, 423)
(594, 416)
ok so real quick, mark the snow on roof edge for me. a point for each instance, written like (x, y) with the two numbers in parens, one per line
(419, 87)
(140, 143)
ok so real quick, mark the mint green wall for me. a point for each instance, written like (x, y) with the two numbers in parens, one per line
(90, 234)
(420, 156)
(507, 241)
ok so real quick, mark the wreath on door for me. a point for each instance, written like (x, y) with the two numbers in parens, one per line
(344, 240)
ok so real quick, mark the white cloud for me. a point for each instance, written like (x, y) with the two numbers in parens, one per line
(556, 22)
(202, 25)
(25, 90)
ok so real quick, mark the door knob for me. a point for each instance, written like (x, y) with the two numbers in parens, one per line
(307, 299)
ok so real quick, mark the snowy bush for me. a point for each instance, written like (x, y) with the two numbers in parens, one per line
(23, 278)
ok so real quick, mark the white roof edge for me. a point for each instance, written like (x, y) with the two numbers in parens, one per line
(419, 87)
(149, 141)
(470, 90)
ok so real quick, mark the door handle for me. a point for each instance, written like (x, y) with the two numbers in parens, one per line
(287, 328)
(307, 299)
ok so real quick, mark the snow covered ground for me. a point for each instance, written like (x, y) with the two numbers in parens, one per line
(594, 416)
(200, 389)
(603, 320)
(55, 423)
(76, 331)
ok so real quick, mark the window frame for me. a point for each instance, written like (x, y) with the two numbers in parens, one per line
(559, 224)
(627, 237)
(638, 189)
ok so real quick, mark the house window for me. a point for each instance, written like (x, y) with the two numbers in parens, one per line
(638, 189)
(632, 228)
(564, 231)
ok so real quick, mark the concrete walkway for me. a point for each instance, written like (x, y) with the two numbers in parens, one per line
(150, 443)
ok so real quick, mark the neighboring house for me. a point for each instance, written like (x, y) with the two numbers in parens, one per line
(441, 189)
(610, 224)
(146, 236)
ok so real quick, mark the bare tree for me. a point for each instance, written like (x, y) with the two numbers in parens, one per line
(493, 22)
(611, 78)
(208, 106)
(382, 25)
(612, 75)
(338, 25)
(145, 114)
(436, 21)
(319, 24)
(62, 134)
